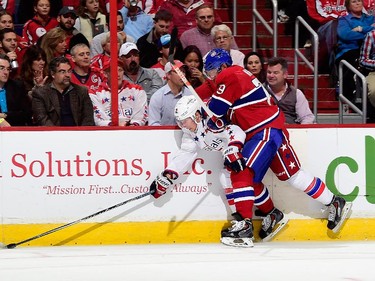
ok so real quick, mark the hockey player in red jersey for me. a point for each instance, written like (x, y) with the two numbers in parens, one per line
(241, 99)
(229, 141)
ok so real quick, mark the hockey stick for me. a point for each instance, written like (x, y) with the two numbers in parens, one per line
(13, 245)
(181, 74)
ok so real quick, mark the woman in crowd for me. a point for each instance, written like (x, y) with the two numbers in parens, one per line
(33, 68)
(40, 24)
(91, 21)
(192, 57)
(254, 63)
(54, 43)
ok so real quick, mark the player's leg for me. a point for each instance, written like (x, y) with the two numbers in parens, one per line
(286, 167)
(259, 152)
(273, 219)
(240, 234)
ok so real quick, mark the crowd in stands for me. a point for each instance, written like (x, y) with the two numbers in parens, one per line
(57, 72)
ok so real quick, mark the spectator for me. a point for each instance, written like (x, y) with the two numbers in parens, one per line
(254, 63)
(6, 20)
(15, 107)
(148, 43)
(163, 47)
(137, 22)
(132, 101)
(183, 12)
(147, 78)
(192, 58)
(367, 64)
(291, 100)
(351, 32)
(91, 21)
(104, 58)
(96, 43)
(62, 103)
(200, 35)
(163, 102)
(40, 23)
(9, 46)
(26, 9)
(83, 73)
(223, 39)
(66, 19)
(33, 70)
(54, 43)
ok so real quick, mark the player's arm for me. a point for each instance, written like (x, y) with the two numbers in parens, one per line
(179, 164)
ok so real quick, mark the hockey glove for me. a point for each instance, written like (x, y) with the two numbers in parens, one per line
(233, 159)
(160, 185)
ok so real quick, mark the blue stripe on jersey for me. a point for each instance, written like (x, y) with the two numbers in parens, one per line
(218, 106)
(316, 187)
(257, 95)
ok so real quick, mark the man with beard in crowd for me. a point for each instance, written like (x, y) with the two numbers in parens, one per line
(149, 79)
(66, 19)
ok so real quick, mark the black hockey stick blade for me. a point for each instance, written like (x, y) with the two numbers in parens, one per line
(173, 44)
(13, 245)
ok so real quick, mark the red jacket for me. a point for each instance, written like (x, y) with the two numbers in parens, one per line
(34, 29)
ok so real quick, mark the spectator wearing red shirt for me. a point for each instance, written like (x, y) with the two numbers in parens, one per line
(83, 73)
(40, 23)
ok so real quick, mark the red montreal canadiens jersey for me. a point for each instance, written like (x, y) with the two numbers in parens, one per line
(91, 81)
(241, 97)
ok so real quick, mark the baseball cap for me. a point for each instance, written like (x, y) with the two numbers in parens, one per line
(126, 48)
(107, 64)
(168, 66)
(164, 40)
(67, 10)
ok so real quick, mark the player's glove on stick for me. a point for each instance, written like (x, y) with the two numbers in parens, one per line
(233, 159)
(160, 185)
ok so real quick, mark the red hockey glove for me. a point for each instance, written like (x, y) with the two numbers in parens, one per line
(233, 159)
(160, 185)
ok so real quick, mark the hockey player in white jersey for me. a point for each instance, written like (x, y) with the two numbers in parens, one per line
(229, 141)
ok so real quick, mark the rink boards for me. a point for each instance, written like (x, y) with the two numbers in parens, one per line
(51, 178)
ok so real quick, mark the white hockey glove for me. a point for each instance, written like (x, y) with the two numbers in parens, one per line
(160, 185)
(233, 159)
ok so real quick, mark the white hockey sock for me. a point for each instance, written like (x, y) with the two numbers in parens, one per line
(312, 186)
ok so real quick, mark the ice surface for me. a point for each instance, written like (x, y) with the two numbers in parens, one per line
(174, 262)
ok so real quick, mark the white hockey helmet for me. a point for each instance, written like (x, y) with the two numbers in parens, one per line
(185, 108)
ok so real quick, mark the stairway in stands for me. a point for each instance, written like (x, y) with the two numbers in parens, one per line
(327, 103)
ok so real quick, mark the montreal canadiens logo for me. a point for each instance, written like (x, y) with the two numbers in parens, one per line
(40, 31)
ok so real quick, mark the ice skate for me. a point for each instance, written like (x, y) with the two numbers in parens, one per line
(240, 234)
(337, 212)
(272, 224)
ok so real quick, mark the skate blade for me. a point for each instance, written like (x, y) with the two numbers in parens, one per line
(281, 224)
(345, 212)
(237, 242)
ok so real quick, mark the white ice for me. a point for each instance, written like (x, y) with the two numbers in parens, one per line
(350, 261)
